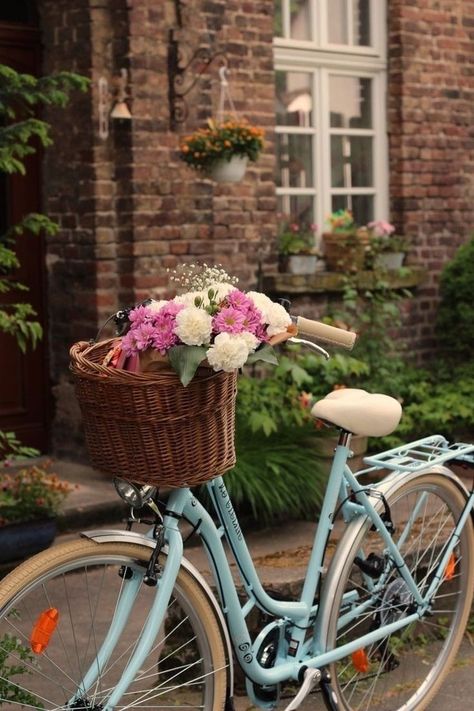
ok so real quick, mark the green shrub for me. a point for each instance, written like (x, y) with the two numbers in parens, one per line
(277, 473)
(455, 323)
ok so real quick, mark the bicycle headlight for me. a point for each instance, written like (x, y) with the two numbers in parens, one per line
(133, 495)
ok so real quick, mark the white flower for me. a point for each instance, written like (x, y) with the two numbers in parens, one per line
(222, 290)
(262, 302)
(228, 353)
(187, 299)
(193, 326)
(277, 318)
(155, 305)
(251, 340)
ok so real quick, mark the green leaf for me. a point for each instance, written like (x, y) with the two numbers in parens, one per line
(185, 361)
(266, 353)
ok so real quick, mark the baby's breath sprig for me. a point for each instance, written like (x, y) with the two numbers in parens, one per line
(198, 277)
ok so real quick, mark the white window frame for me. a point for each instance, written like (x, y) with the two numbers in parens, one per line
(321, 60)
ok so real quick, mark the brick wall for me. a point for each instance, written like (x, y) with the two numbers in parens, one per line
(431, 119)
(128, 208)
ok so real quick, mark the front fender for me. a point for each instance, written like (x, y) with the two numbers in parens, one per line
(117, 536)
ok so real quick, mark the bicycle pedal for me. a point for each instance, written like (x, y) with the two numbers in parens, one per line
(311, 678)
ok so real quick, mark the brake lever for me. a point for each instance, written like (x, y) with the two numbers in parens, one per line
(309, 344)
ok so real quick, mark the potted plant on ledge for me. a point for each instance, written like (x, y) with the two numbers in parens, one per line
(29, 503)
(296, 247)
(223, 149)
(345, 244)
(388, 249)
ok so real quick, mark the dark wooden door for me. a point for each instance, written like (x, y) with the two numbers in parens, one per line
(23, 378)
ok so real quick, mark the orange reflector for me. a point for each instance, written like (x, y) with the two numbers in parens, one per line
(360, 661)
(43, 630)
(450, 567)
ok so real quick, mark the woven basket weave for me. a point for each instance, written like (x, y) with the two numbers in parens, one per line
(147, 427)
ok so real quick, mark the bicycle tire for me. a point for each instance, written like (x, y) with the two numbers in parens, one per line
(405, 669)
(187, 664)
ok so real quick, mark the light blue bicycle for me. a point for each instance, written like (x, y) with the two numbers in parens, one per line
(137, 626)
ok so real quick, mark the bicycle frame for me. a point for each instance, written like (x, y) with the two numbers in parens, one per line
(293, 617)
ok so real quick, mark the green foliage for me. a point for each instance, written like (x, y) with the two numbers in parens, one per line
(20, 134)
(277, 471)
(15, 660)
(278, 475)
(11, 447)
(267, 405)
(296, 237)
(455, 324)
(20, 95)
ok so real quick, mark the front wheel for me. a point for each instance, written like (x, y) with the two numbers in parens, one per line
(46, 657)
(403, 670)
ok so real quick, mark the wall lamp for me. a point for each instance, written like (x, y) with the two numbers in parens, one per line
(112, 104)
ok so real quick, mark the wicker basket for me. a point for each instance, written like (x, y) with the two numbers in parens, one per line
(147, 427)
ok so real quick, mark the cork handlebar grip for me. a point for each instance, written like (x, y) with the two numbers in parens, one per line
(323, 332)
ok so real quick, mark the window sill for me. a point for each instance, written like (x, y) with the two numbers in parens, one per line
(321, 282)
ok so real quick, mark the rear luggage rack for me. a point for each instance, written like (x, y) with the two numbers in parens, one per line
(422, 454)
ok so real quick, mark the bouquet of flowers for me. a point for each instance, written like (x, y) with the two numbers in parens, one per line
(213, 323)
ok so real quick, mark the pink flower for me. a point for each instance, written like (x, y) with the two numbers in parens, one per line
(253, 319)
(380, 228)
(239, 300)
(144, 335)
(294, 227)
(129, 343)
(229, 320)
(139, 315)
(261, 333)
(171, 309)
(164, 337)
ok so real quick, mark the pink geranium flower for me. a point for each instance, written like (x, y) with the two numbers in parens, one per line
(229, 320)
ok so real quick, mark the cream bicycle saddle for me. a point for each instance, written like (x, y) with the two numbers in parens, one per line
(359, 412)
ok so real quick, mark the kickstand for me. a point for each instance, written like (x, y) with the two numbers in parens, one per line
(311, 678)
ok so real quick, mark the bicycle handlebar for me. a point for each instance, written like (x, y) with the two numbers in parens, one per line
(323, 332)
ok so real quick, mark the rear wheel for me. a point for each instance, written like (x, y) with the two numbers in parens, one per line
(83, 582)
(403, 670)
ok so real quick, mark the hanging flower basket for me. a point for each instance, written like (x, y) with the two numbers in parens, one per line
(222, 149)
(229, 171)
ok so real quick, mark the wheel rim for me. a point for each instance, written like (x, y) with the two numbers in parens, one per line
(405, 669)
(178, 671)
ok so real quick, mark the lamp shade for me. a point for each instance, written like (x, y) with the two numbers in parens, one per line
(120, 110)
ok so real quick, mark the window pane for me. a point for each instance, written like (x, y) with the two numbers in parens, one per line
(278, 19)
(337, 22)
(351, 162)
(294, 98)
(294, 161)
(300, 19)
(361, 23)
(350, 102)
(361, 206)
(296, 208)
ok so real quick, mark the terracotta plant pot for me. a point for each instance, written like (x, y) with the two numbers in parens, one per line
(345, 252)
(229, 171)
